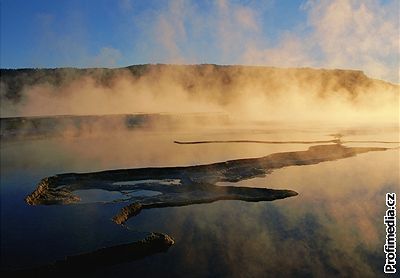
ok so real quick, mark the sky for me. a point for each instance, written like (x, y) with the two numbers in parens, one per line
(350, 34)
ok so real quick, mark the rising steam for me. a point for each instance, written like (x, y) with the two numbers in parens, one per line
(246, 93)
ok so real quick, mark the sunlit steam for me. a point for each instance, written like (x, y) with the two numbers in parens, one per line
(244, 93)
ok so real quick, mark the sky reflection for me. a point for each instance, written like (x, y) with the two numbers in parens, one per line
(334, 227)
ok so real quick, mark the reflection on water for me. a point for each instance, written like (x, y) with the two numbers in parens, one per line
(105, 196)
(334, 227)
(97, 195)
(163, 182)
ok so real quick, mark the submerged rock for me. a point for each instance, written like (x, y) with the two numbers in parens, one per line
(89, 262)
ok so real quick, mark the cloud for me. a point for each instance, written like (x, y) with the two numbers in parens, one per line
(193, 32)
(341, 34)
(291, 51)
(357, 34)
(336, 34)
(346, 34)
(235, 26)
(170, 29)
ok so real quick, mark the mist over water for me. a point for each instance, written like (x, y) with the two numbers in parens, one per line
(324, 231)
(86, 124)
(335, 217)
(243, 93)
(330, 83)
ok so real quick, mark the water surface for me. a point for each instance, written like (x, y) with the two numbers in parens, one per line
(333, 227)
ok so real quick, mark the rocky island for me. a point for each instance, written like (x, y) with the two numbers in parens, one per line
(181, 186)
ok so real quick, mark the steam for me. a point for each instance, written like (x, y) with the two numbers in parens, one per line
(244, 93)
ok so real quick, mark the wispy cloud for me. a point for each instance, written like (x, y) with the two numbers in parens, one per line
(351, 34)
(340, 34)
(337, 34)
(357, 34)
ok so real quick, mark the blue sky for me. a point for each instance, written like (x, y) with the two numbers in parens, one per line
(112, 33)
